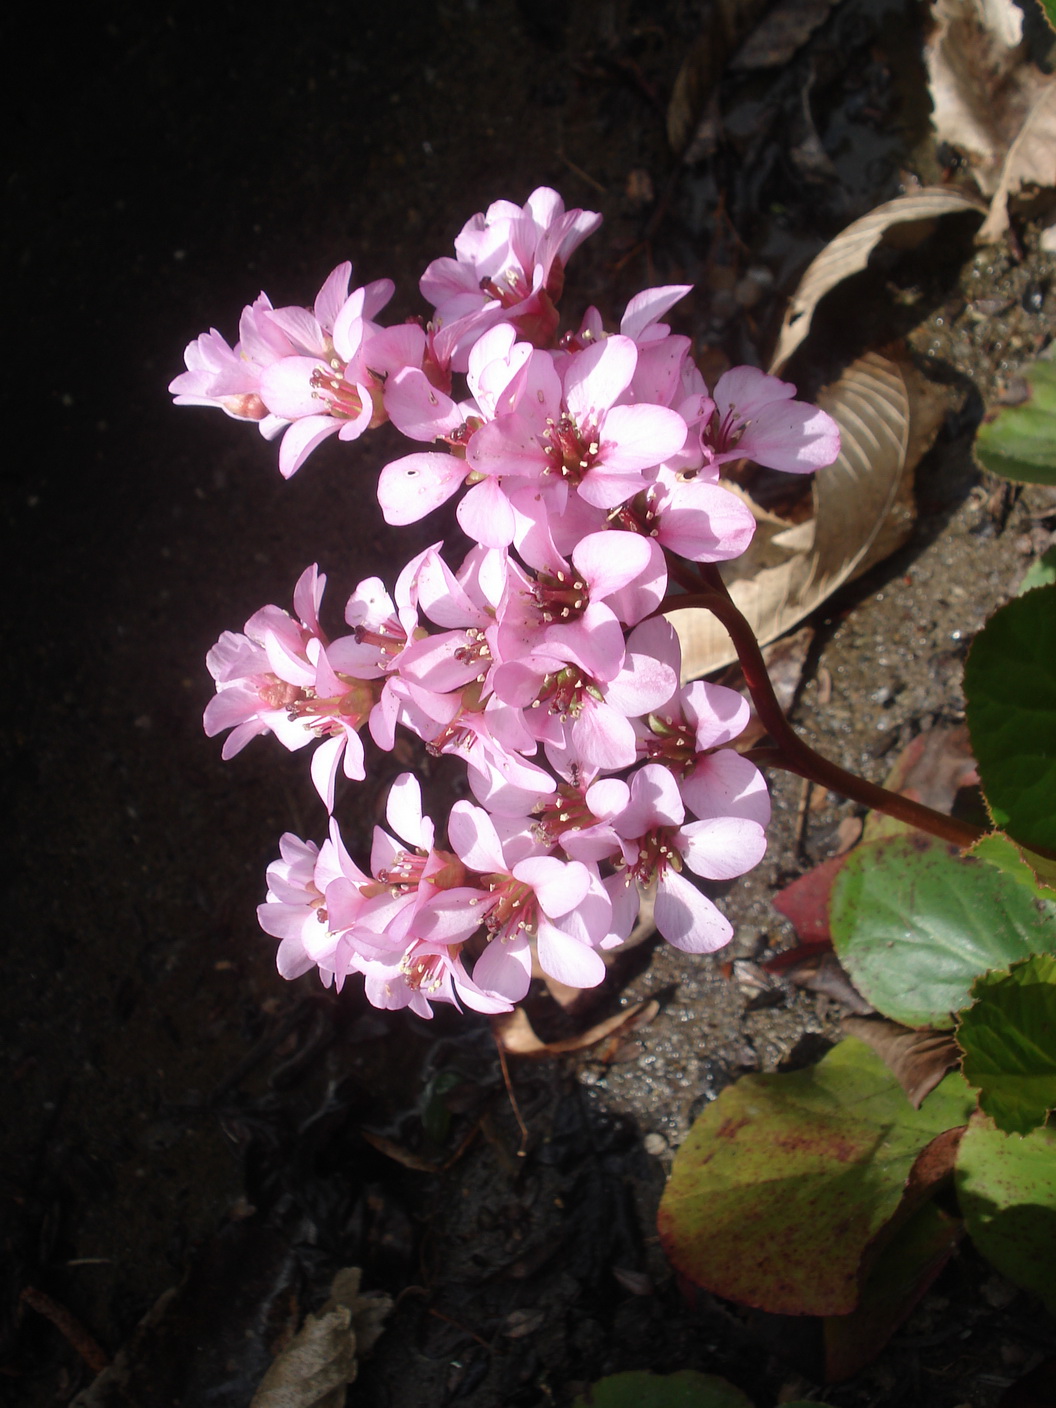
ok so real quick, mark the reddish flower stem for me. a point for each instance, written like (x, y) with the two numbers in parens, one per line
(791, 753)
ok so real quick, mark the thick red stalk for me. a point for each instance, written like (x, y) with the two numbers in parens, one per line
(791, 753)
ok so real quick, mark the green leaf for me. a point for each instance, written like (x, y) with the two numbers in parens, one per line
(903, 1272)
(1020, 443)
(1010, 683)
(785, 1180)
(686, 1389)
(1006, 1186)
(1038, 873)
(1041, 573)
(1008, 1037)
(915, 923)
(1049, 7)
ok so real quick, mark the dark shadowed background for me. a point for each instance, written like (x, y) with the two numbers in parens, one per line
(172, 1112)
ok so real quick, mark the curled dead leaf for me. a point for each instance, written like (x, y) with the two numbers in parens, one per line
(1031, 161)
(991, 102)
(862, 512)
(514, 1032)
(725, 24)
(780, 33)
(917, 1059)
(914, 215)
(321, 1360)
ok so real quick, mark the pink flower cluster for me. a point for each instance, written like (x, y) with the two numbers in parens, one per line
(585, 465)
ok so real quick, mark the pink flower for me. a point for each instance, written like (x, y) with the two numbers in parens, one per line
(575, 433)
(657, 844)
(295, 909)
(690, 515)
(407, 923)
(277, 678)
(324, 387)
(426, 973)
(560, 905)
(299, 370)
(756, 418)
(509, 266)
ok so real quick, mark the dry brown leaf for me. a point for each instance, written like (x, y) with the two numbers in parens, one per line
(824, 973)
(849, 254)
(788, 571)
(514, 1031)
(725, 24)
(318, 1364)
(785, 29)
(1031, 161)
(990, 101)
(932, 769)
(917, 1059)
(974, 55)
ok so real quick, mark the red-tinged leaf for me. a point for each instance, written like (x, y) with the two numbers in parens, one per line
(1006, 1188)
(786, 1182)
(806, 901)
(903, 1272)
(915, 923)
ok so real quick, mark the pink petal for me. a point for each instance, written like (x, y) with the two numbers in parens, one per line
(717, 713)
(411, 487)
(747, 390)
(603, 738)
(286, 387)
(686, 918)
(301, 439)
(486, 515)
(793, 436)
(655, 801)
(332, 295)
(647, 307)
(404, 812)
(417, 409)
(705, 522)
(325, 762)
(610, 561)
(596, 376)
(566, 959)
(559, 887)
(474, 839)
(505, 967)
(636, 437)
(722, 847)
(725, 784)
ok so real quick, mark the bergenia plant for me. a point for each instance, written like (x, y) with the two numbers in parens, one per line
(585, 466)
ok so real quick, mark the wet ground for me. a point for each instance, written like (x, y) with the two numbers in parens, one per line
(175, 1114)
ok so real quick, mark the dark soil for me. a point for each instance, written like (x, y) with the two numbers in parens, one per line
(176, 1114)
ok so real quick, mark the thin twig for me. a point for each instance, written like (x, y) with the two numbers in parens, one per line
(583, 175)
(523, 1147)
(450, 1320)
(69, 1327)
